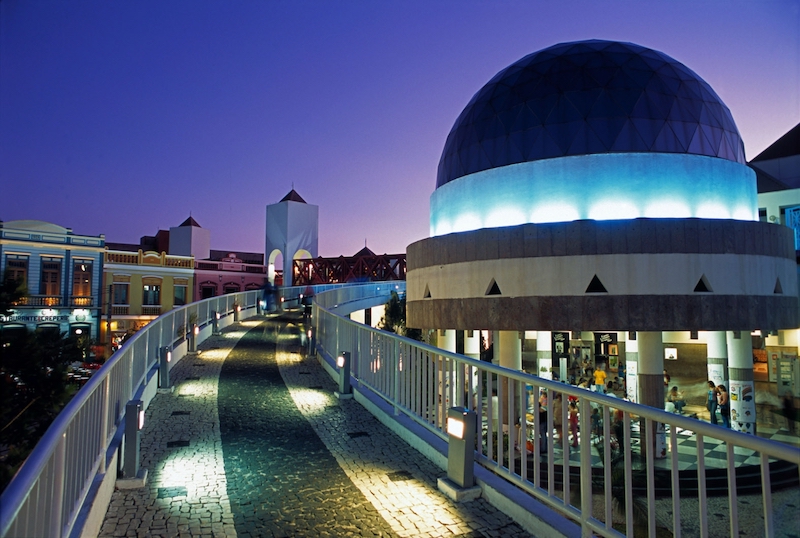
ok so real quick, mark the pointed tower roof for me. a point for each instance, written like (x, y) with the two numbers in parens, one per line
(190, 222)
(364, 252)
(293, 197)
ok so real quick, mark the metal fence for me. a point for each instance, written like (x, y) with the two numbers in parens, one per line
(52, 486)
(626, 464)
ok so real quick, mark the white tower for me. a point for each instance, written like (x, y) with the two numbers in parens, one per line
(189, 239)
(293, 231)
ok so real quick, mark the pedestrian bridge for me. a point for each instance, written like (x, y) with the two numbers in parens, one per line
(652, 469)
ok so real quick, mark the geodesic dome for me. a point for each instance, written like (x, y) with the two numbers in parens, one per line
(589, 97)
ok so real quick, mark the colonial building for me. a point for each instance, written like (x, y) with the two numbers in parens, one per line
(61, 271)
(141, 285)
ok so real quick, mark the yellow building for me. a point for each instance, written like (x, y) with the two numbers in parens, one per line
(140, 286)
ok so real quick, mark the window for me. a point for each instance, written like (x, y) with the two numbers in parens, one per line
(17, 268)
(208, 290)
(120, 293)
(151, 294)
(180, 295)
(230, 288)
(51, 276)
(82, 278)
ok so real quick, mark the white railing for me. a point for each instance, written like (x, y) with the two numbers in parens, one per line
(50, 489)
(615, 469)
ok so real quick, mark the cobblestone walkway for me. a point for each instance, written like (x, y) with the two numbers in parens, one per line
(297, 461)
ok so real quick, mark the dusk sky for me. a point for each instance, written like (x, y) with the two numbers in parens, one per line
(125, 117)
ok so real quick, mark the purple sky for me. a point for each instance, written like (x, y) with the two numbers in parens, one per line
(124, 117)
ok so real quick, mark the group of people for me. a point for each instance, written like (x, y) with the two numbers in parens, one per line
(718, 398)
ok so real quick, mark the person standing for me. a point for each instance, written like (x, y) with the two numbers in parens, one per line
(789, 411)
(724, 405)
(600, 380)
(711, 404)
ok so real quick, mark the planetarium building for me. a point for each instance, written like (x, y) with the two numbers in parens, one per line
(601, 186)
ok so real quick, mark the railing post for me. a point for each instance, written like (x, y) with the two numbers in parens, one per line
(56, 524)
(396, 389)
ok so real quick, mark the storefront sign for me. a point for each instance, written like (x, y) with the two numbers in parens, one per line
(16, 318)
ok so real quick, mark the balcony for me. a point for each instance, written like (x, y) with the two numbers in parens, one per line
(151, 310)
(41, 300)
(80, 300)
(120, 310)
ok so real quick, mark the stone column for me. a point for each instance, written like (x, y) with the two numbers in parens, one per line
(717, 357)
(472, 344)
(650, 378)
(632, 369)
(544, 354)
(447, 340)
(508, 350)
(741, 391)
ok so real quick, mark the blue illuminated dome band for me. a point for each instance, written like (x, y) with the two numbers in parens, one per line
(597, 187)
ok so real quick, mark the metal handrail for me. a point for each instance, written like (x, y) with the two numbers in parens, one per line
(422, 381)
(51, 487)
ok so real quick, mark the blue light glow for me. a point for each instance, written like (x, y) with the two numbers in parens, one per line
(613, 209)
(600, 186)
(662, 209)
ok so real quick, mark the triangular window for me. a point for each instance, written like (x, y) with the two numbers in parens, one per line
(595, 286)
(778, 287)
(703, 286)
(493, 289)
(427, 294)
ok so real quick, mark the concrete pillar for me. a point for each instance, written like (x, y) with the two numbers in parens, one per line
(544, 354)
(717, 357)
(742, 391)
(472, 344)
(632, 369)
(650, 371)
(447, 340)
(650, 378)
(508, 350)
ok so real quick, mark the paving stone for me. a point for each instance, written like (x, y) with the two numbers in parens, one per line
(291, 464)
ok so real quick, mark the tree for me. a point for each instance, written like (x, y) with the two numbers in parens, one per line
(11, 293)
(394, 318)
(33, 387)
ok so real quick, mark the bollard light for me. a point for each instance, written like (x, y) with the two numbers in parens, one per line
(134, 422)
(343, 362)
(215, 323)
(165, 356)
(193, 338)
(461, 446)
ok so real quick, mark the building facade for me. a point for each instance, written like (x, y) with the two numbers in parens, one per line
(140, 286)
(596, 196)
(62, 274)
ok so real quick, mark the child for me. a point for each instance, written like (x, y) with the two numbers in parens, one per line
(573, 423)
(596, 422)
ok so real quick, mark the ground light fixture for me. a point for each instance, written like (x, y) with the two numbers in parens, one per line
(165, 356)
(343, 363)
(460, 482)
(133, 476)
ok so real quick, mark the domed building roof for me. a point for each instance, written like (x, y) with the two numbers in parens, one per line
(589, 97)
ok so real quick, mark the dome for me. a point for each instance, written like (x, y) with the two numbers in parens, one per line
(589, 97)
